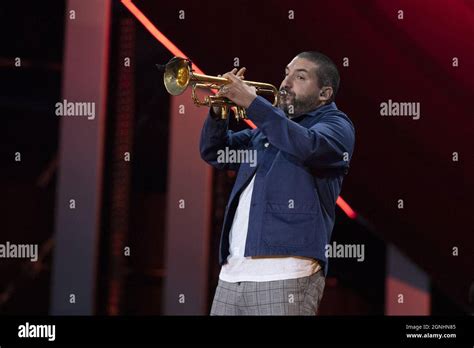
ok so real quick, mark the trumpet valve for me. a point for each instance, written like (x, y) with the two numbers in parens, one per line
(224, 112)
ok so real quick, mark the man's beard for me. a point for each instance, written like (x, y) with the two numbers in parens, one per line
(294, 106)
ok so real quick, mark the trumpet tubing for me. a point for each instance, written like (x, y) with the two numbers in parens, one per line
(179, 76)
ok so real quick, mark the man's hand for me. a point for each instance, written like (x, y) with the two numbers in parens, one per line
(238, 91)
(240, 75)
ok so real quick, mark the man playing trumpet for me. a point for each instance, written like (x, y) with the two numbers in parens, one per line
(281, 212)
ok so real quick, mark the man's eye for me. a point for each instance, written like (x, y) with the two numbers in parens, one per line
(300, 77)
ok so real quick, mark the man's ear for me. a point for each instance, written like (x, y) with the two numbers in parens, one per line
(325, 94)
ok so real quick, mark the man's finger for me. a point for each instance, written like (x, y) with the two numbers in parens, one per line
(226, 75)
(231, 77)
(241, 72)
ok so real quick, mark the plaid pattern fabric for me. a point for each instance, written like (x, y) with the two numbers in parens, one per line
(300, 296)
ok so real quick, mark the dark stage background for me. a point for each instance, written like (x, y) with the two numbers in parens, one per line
(427, 57)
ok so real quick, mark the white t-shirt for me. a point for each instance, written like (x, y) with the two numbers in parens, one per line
(258, 269)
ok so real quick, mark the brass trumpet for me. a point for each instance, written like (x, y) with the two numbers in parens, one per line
(178, 75)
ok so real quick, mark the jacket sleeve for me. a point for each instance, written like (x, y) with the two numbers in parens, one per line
(215, 137)
(326, 145)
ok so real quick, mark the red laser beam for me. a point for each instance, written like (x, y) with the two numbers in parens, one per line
(163, 39)
(154, 31)
(346, 208)
(177, 52)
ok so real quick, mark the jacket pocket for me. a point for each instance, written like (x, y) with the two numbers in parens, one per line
(289, 227)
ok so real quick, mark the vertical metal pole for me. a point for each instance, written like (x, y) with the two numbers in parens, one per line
(188, 213)
(81, 159)
(407, 287)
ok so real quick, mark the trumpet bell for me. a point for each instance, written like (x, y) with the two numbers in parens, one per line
(177, 76)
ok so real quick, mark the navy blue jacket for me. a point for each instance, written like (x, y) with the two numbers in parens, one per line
(300, 167)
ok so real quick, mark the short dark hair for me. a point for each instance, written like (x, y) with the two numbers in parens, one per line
(327, 73)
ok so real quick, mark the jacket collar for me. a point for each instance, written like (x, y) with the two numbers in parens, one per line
(316, 112)
(321, 109)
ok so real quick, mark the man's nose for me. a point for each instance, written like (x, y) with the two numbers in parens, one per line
(286, 83)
